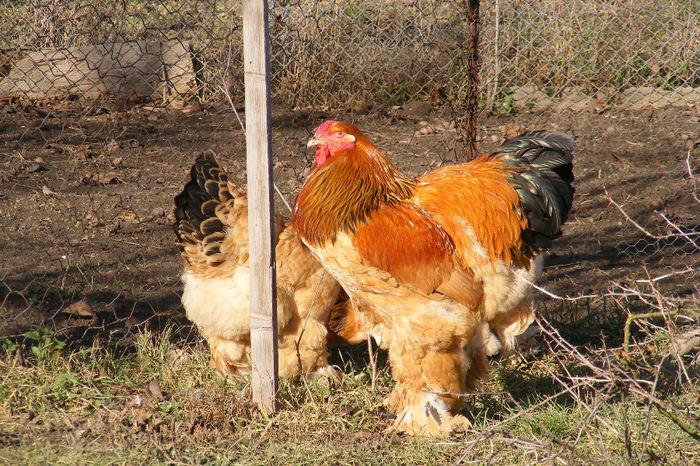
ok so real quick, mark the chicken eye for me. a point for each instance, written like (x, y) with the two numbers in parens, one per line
(339, 133)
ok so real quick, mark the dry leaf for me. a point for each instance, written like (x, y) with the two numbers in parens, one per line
(83, 152)
(129, 216)
(153, 389)
(136, 401)
(80, 309)
(511, 131)
(46, 190)
(158, 212)
(93, 220)
(192, 108)
(175, 356)
(105, 178)
(117, 161)
(112, 146)
(140, 417)
(32, 167)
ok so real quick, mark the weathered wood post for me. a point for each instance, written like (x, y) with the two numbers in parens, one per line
(263, 314)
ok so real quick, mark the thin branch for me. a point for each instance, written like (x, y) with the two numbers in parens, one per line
(279, 193)
(372, 362)
(297, 343)
(233, 106)
(630, 219)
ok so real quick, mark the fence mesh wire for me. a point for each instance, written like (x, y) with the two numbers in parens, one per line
(534, 54)
(575, 55)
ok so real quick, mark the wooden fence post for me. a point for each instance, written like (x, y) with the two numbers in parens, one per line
(263, 314)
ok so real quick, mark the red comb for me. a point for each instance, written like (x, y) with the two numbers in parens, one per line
(323, 128)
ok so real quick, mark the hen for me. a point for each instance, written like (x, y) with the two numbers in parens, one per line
(212, 234)
(433, 263)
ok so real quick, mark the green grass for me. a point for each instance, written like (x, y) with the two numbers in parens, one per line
(67, 404)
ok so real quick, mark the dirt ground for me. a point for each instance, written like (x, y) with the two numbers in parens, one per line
(86, 204)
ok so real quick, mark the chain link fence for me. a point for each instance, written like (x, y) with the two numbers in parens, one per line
(574, 54)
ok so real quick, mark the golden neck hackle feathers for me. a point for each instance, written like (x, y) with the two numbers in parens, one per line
(344, 191)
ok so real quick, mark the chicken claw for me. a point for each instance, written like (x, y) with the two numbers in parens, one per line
(431, 418)
(327, 375)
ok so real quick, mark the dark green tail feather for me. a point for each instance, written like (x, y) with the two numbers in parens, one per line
(544, 184)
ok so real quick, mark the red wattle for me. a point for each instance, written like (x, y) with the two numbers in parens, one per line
(322, 154)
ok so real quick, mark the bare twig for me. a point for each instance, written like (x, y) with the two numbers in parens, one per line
(630, 219)
(301, 335)
(225, 88)
(372, 362)
(497, 64)
(279, 193)
(648, 315)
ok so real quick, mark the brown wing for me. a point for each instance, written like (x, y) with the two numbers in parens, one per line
(475, 202)
(514, 201)
(406, 242)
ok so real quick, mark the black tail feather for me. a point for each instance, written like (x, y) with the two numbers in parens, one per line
(544, 183)
(195, 206)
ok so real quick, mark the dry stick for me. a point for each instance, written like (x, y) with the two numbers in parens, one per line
(628, 292)
(556, 296)
(687, 424)
(633, 222)
(589, 382)
(284, 200)
(668, 275)
(489, 433)
(647, 426)
(648, 315)
(372, 362)
(233, 106)
(226, 92)
(578, 398)
(692, 176)
(682, 233)
(497, 63)
(600, 442)
(301, 335)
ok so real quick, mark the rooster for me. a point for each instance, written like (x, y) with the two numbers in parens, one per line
(212, 234)
(435, 265)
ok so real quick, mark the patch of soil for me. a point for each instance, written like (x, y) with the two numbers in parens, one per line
(86, 204)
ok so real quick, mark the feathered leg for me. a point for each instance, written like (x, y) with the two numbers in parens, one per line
(508, 325)
(230, 358)
(432, 379)
(303, 346)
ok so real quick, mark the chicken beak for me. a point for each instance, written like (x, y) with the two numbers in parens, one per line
(313, 142)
